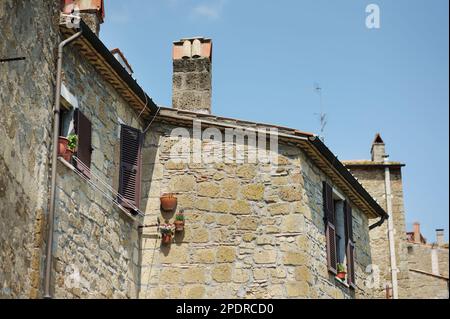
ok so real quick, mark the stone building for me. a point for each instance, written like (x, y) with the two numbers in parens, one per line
(428, 265)
(410, 257)
(270, 211)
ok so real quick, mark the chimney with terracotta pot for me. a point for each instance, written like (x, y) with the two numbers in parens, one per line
(192, 78)
(417, 235)
(91, 11)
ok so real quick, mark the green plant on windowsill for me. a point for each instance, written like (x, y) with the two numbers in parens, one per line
(73, 142)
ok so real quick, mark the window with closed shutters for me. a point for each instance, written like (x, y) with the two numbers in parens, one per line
(83, 129)
(130, 166)
(330, 231)
(350, 244)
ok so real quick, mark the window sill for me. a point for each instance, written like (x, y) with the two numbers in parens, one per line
(73, 169)
(67, 164)
(340, 281)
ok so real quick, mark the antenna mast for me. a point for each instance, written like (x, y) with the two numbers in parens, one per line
(323, 118)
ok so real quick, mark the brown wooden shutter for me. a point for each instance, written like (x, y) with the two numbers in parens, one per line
(350, 244)
(330, 230)
(130, 166)
(83, 128)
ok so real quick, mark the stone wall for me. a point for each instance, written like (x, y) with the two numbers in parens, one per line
(26, 100)
(425, 286)
(373, 180)
(251, 231)
(96, 244)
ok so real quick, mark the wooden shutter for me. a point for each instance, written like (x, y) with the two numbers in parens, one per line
(350, 244)
(130, 166)
(330, 230)
(83, 128)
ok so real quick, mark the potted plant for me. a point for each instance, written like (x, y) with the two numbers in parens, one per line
(342, 272)
(168, 202)
(180, 221)
(67, 146)
(166, 233)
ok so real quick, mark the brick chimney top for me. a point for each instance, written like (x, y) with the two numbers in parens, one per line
(192, 77)
(417, 235)
(192, 48)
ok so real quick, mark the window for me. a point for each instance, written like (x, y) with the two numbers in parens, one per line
(83, 129)
(130, 167)
(67, 124)
(339, 232)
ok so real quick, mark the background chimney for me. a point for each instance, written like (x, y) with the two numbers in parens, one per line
(378, 149)
(91, 11)
(416, 229)
(440, 237)
(192, 78)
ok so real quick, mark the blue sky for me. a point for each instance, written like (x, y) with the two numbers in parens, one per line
(269, 54)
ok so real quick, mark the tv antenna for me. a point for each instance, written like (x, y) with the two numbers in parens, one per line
(323, 117)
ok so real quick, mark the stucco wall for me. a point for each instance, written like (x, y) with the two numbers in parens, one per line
(373, 180)
(96, 244)
(251, 232)
(26, 100)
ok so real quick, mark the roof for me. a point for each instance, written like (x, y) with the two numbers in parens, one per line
(366, 163)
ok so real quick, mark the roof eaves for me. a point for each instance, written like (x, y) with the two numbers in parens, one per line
(345, 173)
(115, 65)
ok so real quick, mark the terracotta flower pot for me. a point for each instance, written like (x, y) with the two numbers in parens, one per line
(63, 149)
(179, 225)
(341, 275)
(168, 202)
(62, 145)
(68, 155)
(166, 239)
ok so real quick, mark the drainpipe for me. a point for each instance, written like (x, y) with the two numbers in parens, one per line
(394, 269)
(56, 123)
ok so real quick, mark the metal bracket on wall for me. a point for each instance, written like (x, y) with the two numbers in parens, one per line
(12, 59)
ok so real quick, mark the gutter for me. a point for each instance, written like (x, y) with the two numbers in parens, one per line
(378, 223)
(323, 149)
(56, 124)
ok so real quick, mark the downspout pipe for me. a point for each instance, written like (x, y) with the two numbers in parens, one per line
(378, 223)
(393, 258)
(56, 124)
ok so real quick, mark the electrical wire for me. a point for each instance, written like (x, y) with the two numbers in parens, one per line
(115, 197)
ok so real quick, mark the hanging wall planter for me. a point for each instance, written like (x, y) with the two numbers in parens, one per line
(168, 202)
(166, 234)
(179, 221)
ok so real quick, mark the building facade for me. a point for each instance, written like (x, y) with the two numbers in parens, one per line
(274, 226)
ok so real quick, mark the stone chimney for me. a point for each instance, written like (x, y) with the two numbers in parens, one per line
(417, 235)
(378, 149)
(192, 78)
(440, 237)
(91, 11)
